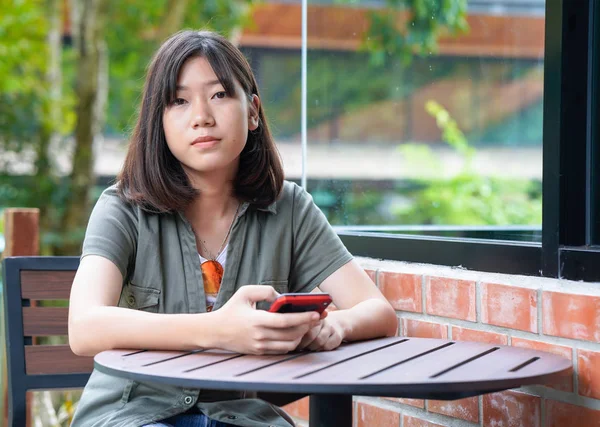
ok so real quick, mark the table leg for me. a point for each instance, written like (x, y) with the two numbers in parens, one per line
(328, 410)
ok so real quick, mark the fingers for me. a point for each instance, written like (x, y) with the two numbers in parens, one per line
(255, 293)
(289, 334)
(321, 340)
(326, 338)
(274, 347)
(310, 336)
(332, 344)
(288, 320)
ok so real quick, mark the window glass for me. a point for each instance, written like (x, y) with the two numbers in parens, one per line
(421, 127)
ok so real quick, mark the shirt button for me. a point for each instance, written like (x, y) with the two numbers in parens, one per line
(131, 301)
(188, 400)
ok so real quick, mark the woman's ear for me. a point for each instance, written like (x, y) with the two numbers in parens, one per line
(253, 109)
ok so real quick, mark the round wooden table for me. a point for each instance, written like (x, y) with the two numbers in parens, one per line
(419, 368)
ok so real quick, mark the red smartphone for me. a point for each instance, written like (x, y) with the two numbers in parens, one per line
(301, 302)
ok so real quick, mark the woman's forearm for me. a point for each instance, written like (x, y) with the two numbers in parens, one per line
(107, 327)
(372, 318)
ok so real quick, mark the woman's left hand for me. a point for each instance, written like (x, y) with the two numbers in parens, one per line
(327, 335)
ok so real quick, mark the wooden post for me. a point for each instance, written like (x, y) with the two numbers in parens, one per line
(22, 238)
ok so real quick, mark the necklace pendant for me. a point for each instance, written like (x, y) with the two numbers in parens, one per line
(212, 275)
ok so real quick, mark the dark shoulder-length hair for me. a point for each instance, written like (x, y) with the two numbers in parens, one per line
(152, 177)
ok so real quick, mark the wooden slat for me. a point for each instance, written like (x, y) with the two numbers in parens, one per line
(141, 358)
(190, 362)
(491, 366)
(45, 321)
(55, 359)
(356, 369)
(312, 361)
(46, 285)
(247, 363)
(422, 368)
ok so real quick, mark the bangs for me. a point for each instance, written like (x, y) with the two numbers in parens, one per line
(223, 71)
(220, 66)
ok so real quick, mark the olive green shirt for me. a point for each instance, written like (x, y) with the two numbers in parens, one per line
(289, 246)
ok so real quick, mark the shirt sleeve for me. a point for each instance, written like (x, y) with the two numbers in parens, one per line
(318, 251)
(112, 231)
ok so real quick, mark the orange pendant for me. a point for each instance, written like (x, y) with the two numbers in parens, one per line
(212, 275)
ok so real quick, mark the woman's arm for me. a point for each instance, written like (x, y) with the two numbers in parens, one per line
(97, 324)
(362, 311)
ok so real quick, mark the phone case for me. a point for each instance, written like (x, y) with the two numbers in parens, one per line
(299, 303)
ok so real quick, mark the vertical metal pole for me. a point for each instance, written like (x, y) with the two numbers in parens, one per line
(327, 410)
(304, 91)
(593, 114)
(553, 54)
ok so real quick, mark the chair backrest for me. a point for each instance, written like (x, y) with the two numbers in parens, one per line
(32, 366)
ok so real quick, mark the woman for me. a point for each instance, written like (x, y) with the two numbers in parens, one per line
(198, 232)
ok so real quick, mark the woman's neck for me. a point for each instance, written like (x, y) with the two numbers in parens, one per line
(213, 203)
(215, 206)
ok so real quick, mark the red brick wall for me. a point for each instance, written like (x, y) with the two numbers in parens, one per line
(552, 315)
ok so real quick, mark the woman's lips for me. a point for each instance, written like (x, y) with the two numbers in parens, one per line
(205, 142)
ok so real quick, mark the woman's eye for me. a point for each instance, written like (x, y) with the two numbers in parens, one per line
(178, 101)
(220, 95)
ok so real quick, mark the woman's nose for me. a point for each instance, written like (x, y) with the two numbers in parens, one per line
(202, 116)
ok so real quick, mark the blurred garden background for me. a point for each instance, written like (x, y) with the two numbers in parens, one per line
(423, 116)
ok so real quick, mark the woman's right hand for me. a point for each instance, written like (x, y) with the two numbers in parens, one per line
(244, 329)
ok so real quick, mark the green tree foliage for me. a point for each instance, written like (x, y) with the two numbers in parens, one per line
(32, 108)
(426, 21)
(468, 198)
(22, 92)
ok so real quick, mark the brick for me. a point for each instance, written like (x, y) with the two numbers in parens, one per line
(403, 291)
(465, 409)
(563, 382)
(588, 363)
(369, 415)
(372, 275)
(451, 298)
(299, 408)
(559, 414)
(511, 409)
(417, 403)
(571, 316)
(466, 334)
(409, 421)
(417, 328)
(509, 306)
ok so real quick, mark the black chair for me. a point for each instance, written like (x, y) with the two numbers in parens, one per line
(45, 367)
(32, 366)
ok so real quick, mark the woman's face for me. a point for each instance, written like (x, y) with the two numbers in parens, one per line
(206, 130)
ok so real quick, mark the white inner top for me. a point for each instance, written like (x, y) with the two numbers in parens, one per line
(221, 259)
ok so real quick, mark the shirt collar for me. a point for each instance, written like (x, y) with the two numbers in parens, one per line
(272, 208)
